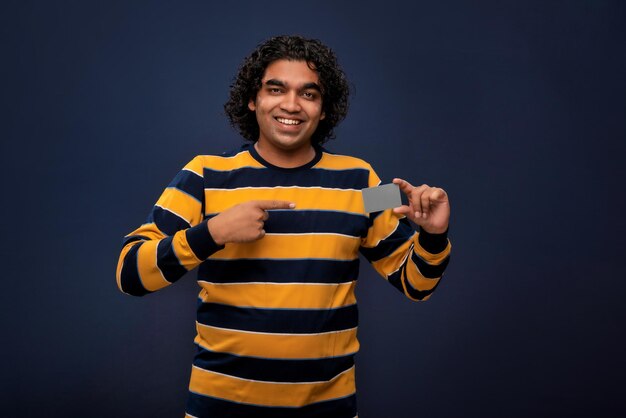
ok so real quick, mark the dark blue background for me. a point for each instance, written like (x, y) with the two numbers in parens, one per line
(517, 108)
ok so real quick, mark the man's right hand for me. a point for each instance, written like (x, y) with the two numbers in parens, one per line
(244, 222)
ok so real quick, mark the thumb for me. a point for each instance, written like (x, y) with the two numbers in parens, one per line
(404, 210)
(409, 213)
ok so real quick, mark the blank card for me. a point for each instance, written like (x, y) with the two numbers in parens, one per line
(381, 197)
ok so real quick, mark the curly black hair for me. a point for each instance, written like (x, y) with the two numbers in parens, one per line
(333, 83)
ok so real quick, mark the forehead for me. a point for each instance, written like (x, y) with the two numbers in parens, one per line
(290, 72)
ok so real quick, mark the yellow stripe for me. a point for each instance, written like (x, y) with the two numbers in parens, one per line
(278, 295)
(384, 225)
(341, 162)
(270, 393)
(391, 263)
(324, 246)
(277, 346)
(151, 277)
(417, 280)
(218, 200)
(195, 166)
(183, 251)
(181, 204)
(150, 231)
(218, 163)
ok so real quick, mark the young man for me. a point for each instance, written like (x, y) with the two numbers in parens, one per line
(276, 228)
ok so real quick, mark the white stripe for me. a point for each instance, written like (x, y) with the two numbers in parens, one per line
(272, 382)
(388, 235)
(282, 259)
(284, 187)
(276, 333)
(172, 212)
(361, 214)
(278, 284)
(314, 234)
(348, 157)
(191, 171)
(221, 156)
(233, 168)
(183, 192)
(404, 260)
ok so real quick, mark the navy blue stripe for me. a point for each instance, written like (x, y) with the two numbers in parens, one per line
(419, 294)
(387, 246)
(132, 238)
(201, 242)
(130, 282)
(396, 281)
(233, 152)
(354, 178)
(433, 243)
(207, 407)
(279, 271)
(166, 221)
(287, 321)
(167, 261)
(189, 183)
(314, 221)
(271, 370)
(429, 271)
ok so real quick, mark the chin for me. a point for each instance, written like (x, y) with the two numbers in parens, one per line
(289, 145)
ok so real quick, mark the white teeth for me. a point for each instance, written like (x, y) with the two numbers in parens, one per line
(288, 121)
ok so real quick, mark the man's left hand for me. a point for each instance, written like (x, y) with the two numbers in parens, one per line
(428, 206)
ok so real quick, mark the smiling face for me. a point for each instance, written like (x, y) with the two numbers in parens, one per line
(288, 109)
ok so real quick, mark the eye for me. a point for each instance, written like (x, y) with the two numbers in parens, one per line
(309, 95)
(274, 90)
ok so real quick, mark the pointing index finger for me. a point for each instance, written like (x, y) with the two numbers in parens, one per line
(275, 204)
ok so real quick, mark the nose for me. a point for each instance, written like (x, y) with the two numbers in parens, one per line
(290, 103)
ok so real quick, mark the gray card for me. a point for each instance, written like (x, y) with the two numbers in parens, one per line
(381, 197)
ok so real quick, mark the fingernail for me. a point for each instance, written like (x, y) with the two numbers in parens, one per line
(292, 205)
(417, 214)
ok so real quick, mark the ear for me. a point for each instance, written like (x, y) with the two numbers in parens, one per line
(252, 105)
(323, 115)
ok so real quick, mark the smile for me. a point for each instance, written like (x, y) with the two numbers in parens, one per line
(286, 121)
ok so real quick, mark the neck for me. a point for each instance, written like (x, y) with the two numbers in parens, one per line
(286, 158)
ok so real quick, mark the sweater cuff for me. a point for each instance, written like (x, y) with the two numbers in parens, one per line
(433, 243)
(201, 241)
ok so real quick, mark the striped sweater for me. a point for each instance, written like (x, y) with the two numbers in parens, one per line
(277, 317)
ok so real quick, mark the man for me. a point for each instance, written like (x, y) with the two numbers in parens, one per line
(276, 228)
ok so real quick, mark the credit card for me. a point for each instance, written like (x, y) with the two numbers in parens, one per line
(381, 197)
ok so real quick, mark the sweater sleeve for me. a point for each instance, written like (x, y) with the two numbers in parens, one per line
(413, 262)
(173, 240)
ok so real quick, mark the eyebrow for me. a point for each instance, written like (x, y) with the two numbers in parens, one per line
(306, 86)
